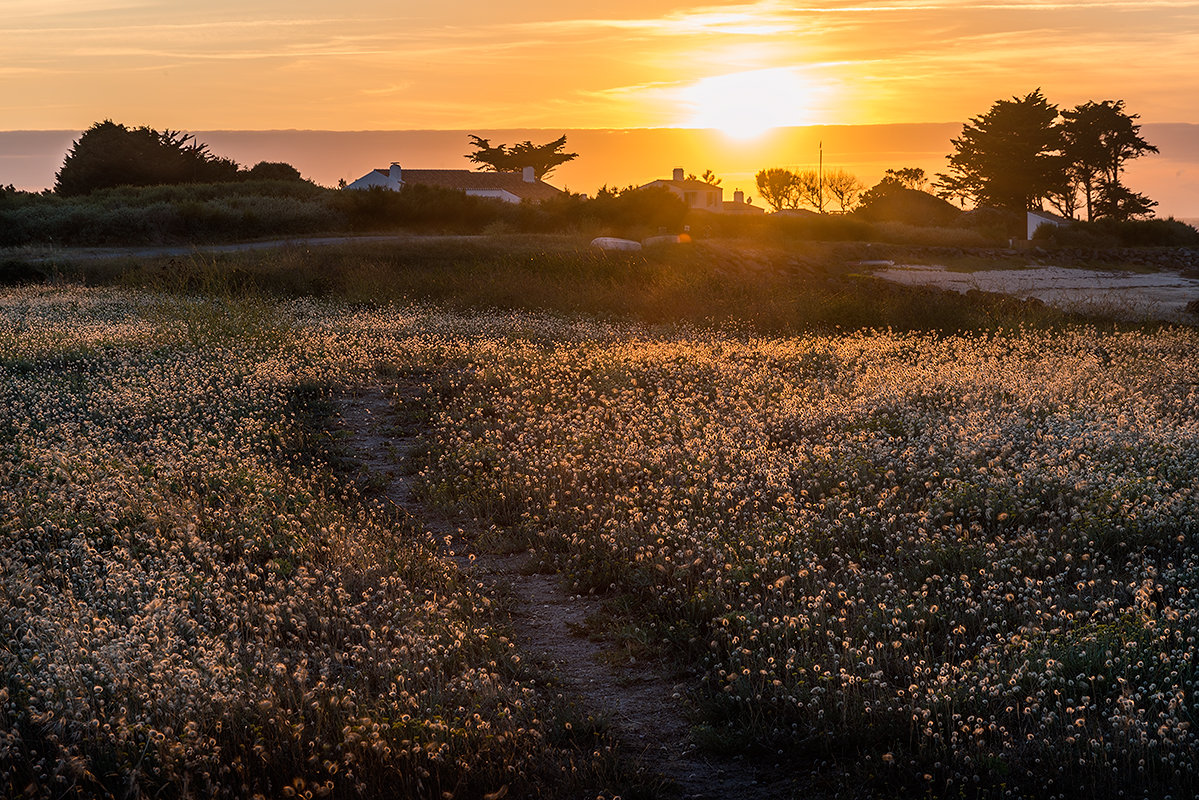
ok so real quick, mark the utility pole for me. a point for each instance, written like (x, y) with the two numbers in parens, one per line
(820, 179)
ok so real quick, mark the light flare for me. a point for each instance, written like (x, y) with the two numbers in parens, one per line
(744, 105)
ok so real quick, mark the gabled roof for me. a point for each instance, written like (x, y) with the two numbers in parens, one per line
(1049, 216)
(685, 186)
(464, 179)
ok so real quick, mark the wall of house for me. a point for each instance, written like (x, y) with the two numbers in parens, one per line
(709, 200)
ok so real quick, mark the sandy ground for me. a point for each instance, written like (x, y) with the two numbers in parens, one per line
(1157, 295)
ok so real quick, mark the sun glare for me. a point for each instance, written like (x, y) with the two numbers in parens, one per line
(745, 105)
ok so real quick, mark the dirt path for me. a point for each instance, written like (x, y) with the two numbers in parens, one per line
(1163, 294)
(641, 703)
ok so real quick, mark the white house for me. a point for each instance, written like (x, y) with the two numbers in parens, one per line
(1038, 218)
(510, 187)
(696, 194)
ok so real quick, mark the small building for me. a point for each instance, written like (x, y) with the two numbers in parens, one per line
(695, 193)
(1038, 218)
(739, 205)
(511, 187)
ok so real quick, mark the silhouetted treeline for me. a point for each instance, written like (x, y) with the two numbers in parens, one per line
(253, 209)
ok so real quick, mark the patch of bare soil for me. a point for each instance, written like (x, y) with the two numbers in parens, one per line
(643, 706)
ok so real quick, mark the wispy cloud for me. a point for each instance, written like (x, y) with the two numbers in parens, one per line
(883, 59)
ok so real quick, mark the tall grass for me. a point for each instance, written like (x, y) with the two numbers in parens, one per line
(770, 288)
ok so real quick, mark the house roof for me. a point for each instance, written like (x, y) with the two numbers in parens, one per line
(464, 179)
(685, 186)
(733, 207)
(1049, 216)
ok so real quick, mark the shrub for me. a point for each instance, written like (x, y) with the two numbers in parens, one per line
(416, 206)
(1111, 233)
(890, 202)
(637, 211)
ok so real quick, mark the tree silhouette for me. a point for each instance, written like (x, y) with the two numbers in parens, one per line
(709, 177)
(810, 188)
(909, 177)
(844, 187)
(543, 158)
(892, 200)
(778, 187)
(109, 154)
(272, 171)
(1117, 202)
(1018, 155)
(782, 188)
(1009, 157)
(1099, 139)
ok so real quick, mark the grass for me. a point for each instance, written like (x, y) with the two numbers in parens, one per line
(768, 287)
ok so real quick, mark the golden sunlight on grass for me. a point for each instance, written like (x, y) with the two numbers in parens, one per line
(745, 105)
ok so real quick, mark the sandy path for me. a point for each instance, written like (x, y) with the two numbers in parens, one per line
(641, 703)
(1155, 295)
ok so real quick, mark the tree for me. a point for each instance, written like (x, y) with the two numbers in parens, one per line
(810, 188)
(109, 154)
(890, 200)
(708, 177)
(1117, 202)
(1010, 156)
(779, 188)
(909, 177)
(1063, 197)
(272, 171)
(1098, 139)
(844, 187)
(543, 158)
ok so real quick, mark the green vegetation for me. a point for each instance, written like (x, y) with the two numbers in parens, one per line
(1110, 233)
(257, 209)
(781, 286)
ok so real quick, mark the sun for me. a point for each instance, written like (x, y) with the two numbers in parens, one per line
(745, 105)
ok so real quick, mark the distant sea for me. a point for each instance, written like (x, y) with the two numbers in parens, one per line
(29, 159)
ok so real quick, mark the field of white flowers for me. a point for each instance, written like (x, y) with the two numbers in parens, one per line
(190, 606)
(965, 563)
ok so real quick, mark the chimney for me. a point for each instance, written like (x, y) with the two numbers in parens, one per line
(678, 173)
(738, 196)
(527, 174)
(394, 182)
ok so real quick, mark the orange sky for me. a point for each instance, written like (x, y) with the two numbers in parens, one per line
(465, 64)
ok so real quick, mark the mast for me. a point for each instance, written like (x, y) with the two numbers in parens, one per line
(820, 179)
